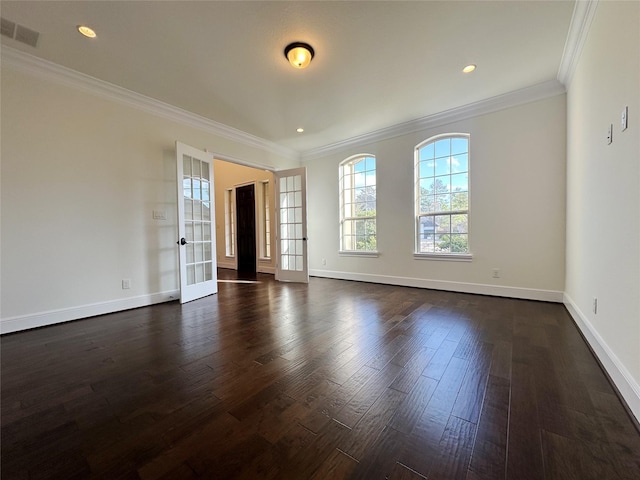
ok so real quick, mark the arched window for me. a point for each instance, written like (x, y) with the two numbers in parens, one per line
(442, 195)
(358, 204)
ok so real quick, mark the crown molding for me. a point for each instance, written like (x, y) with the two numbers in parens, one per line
(583, 13)
(500, 102)
(30, 64)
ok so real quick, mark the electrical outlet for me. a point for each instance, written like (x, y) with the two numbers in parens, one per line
(594, 306)
(624, 119)
(126, 283)
(495, 273)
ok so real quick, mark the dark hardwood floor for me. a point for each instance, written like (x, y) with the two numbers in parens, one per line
(329, 380)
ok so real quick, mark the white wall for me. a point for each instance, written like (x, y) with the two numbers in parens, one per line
(517, 219)
(81, 176)
(230, 175)
(603, 194)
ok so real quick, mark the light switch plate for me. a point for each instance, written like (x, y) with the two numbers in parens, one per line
(624, 118)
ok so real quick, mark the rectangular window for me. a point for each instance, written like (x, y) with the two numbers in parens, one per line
(229, 223)
(442, 195)
(265, 221)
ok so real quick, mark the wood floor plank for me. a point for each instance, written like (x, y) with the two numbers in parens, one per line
(334, 379)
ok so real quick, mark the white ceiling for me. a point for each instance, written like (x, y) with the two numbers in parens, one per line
(377, 64)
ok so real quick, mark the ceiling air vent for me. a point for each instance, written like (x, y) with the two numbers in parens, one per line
(7, 27)
(20, 33)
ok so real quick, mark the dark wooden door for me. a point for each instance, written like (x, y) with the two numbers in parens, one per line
(246, 222)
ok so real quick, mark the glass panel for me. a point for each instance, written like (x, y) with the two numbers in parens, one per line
(208, 271)
(188, 209)
(459, 223)
(284, 261)
(196, 189)
(197, 210)
(297, 182)
(426, 186)
(207, 251)
(370, 163)
(188, 231)
(186, 165)
(196, 168)
(205, 171)
(284, 231)
(190, 254)
(460, 201)
(442, 184)
(460, 163)
(459, 145)
(197, 231)
(443, 243)
(298, 232)
(199, 273)
(459, 243)
(298, 199)
(427, 151)
(460, 182)
(359, 180)
(427, 169)
(283, 184)
(442, 166)
(291, 201)
(299, 247)
(289, 184)
(298, 263)
(205, 191)
(186, 188)
(292, 247)
(442, 223)
(206, 211)
(443, 148)
(443, 203)
(206, 232)
(199, 248)
(191, 274)
(297, 217)
(427, 204)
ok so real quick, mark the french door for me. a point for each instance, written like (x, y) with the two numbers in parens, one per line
(196, 223)
(291, 242)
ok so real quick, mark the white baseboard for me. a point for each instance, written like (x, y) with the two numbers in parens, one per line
(41, 319)
(477, 288)
(620, 376)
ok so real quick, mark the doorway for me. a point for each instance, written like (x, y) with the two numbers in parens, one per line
(246, 229)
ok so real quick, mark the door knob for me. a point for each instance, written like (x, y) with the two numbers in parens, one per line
(182, 241)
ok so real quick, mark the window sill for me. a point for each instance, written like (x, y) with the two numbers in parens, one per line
(359, 254)
(447, 257)
(264, 259)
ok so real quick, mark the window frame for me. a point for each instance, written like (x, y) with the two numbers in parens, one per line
(418, 214)
(352, 161)
(229, 223)
(264, 220)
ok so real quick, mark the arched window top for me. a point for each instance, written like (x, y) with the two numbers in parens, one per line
(444, 145)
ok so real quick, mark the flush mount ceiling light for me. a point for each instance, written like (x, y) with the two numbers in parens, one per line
(469, 68)
(299, 54)
(86, 31)
(299, 129)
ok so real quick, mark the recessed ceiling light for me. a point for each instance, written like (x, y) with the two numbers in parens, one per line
(299, 129)
(86, 31)
(469, 68)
